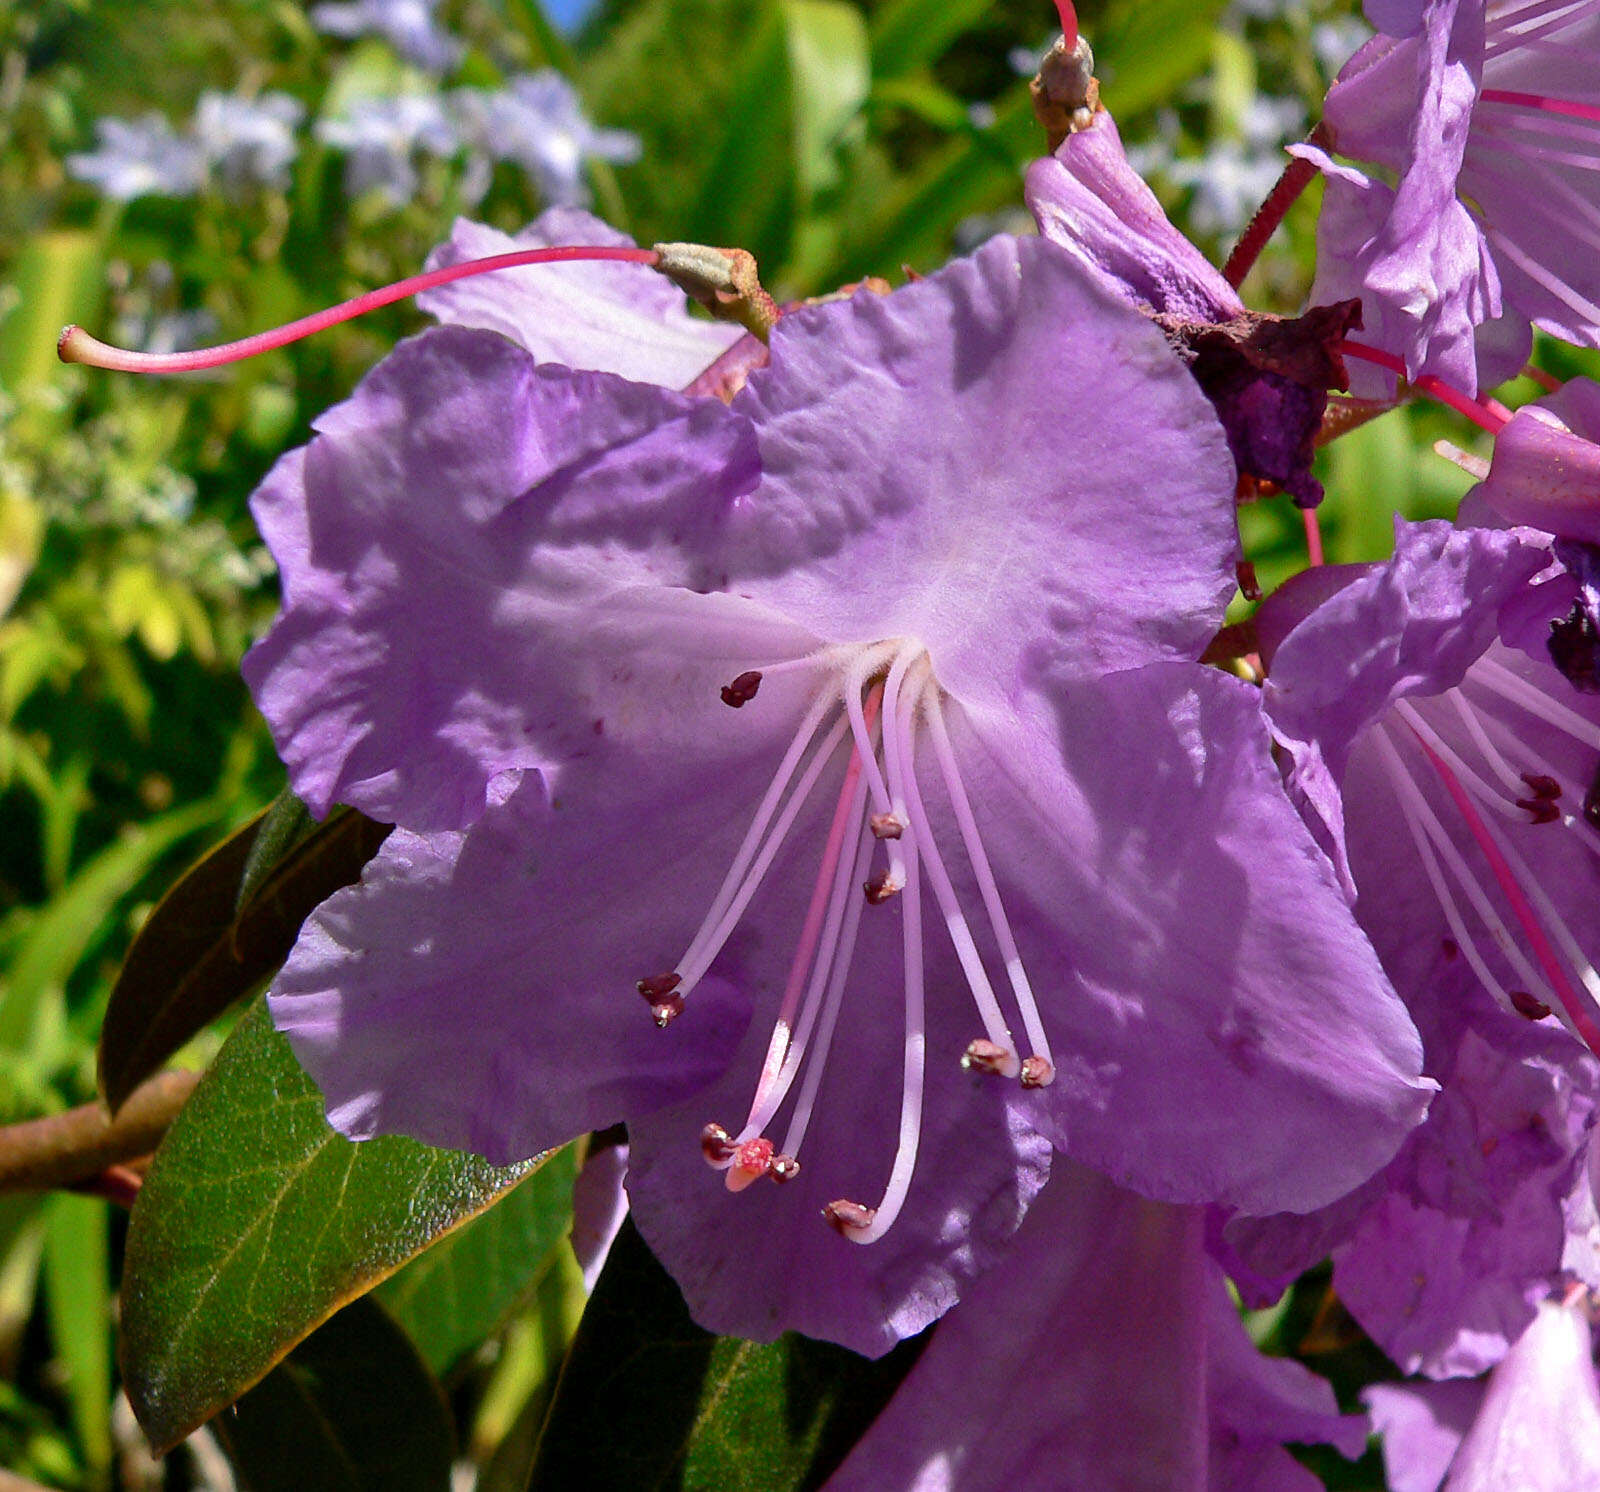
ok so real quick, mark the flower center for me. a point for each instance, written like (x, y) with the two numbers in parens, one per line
(880, 702)
(1476, 742)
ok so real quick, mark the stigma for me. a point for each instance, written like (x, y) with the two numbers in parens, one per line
(874, 723)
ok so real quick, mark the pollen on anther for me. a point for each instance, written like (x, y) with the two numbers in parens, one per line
(784, 1168)
(742, 690)
(886, 825)
(1525, 1005)
(988, 1056)
(849, 1218)
(879, 889)
(666, 1011)
(716, 1144)
(1038, 1072)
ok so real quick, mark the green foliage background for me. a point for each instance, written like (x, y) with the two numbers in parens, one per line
(833, 139)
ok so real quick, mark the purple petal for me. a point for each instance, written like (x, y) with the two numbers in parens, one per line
(599, 1207)
(1088, 199)
(461, 504)
(1421, 1425)
(1538, 1428)
(615, 318)
(1411, 627)
(915, 482)
(1222, 1030)
(1546, 468)
(1079, 1361)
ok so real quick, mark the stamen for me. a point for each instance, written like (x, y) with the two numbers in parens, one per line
(758, 825)
(1524, 1004)
(961, 806)
(1498, 859)
(881, 888)
(77, 346)
(985, 1056)
(823, 903)
(1038, 1073)
(1425, 827)
(1493, 674)
(885, 826)
(742, 690)
(1480, 737)
(1474, 466)
(800, 1120)
(785, 1168)
(717, 1145)
(1481, 789)
(693, 967)
(878, 1220)
(1540, 102)
(989, 1012)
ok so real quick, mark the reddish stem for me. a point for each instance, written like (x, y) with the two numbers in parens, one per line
(77, 346)
(1538, 101)
(1297, 176)
(1069, 22)
(1313, 536)
(1488, 414)
(1547, 381)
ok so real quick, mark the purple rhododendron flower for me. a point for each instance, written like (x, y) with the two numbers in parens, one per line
(947, 557)
(1267, 376)
(1103, 1352)
(1546, 467)
(1533, 1425)
(1488, 117)
(1448, 773)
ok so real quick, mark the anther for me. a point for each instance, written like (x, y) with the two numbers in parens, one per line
(989, 1056)
(1540, 810)
(784, 1168)
(657, 991)
(1038, 1072)
(849, 1218)
(716, 1144)
(751, 1161)
(880, 888)
(1525, 1004)
(886, 825)
(1541, 786)
(742, 690)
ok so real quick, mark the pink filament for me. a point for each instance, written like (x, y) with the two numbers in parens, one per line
(1069, 23)
(1313, 536)
(1488, 414)
(77, 346)
(1540, 102)
(1570, 999)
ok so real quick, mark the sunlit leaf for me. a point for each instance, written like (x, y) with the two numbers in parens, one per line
(351, 1409)
(648, 1401)
(454, 1296)
(256, 1222)
(78, 1305)
(200, 949)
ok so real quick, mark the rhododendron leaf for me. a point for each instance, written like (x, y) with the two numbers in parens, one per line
(351, 1409)
(256, 1222)
(648, 1400)
(227, 924)
(461, 1290)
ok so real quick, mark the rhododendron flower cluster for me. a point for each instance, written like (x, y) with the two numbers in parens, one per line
(814, 742)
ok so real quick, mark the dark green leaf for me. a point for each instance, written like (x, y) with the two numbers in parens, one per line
(282, 825)
(454, 1296)
(648, 1401)
(909, 34)
(199, 951)
(351, 1409)
(256, 1222)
